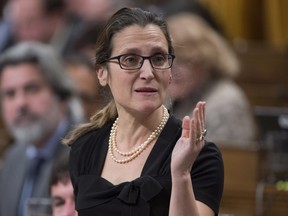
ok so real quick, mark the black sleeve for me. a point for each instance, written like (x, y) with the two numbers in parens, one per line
(208, 176)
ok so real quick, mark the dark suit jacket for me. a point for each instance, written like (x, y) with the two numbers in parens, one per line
(13, 175)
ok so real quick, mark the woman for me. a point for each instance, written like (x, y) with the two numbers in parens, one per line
(134, 158)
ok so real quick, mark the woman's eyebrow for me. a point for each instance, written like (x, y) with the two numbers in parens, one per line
(129, 51)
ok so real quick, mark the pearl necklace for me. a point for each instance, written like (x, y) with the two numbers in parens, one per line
(131, 155)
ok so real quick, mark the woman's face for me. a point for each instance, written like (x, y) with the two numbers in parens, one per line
(144, 89)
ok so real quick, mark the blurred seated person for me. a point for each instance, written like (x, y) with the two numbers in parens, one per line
(95, 10)
(61, 189)
(204, 70)
(84, 43)
(44, 21)
(91, 94)
(36, 106)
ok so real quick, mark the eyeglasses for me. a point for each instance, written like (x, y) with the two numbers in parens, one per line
(135, 62)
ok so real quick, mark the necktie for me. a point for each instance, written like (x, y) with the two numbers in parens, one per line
(29, 182)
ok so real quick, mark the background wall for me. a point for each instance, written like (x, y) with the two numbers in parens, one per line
(255, 20)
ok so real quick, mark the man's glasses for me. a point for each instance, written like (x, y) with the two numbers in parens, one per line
(135, 62)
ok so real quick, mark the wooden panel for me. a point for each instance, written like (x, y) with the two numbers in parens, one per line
(263, 64)
(241, 178)
(260, 94)
(243, 171)
(240, 18)
(275, 202)
(263, 76)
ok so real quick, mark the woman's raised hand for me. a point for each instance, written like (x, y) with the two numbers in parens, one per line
(190, 143)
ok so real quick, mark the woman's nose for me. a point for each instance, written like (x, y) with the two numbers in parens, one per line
(146, 71)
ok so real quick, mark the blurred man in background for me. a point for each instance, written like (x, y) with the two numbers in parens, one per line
(36, 97)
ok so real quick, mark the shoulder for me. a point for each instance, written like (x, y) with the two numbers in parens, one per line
(210, 154)
(234, 103)
(14, 151)
(174, 123)
(15, 161)
(91, 138)
(172, 130)
(227, 89)
(209, 162)
(209, 165)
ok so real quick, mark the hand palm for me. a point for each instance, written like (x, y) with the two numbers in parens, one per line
(188, 147)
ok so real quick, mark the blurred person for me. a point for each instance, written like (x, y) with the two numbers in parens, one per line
(90, 16)
(134, 157)
(61, 189)
(44, 21)
(196, 8)
(36, 107)
(204, 70)
(95, 10)
(5, 29)
(84, 43)
(160, 6)
(90, 92)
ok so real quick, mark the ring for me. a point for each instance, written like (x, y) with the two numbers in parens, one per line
(202, 136)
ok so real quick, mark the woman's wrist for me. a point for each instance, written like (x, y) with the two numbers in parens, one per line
(181, 177)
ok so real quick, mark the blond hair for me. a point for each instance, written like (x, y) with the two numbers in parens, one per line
(195, 41)
(108, 113)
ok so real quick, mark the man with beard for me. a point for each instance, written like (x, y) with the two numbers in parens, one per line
(36, 96)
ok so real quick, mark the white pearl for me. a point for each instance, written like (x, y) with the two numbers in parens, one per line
(139, 149)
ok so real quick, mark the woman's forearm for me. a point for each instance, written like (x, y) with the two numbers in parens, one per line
(182, 201)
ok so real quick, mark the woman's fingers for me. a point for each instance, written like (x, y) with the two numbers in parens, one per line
(201, 106)
(186, 127)
(194, 128)
(200, 126)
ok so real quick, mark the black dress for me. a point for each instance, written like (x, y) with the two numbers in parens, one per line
(150, 193)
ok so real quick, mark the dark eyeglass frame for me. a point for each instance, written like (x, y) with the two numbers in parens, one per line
(169, 56)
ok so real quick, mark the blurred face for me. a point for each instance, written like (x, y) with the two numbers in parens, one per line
(91, 9)
(185, 79)
(30, 109)
(144, 89)
(62, 196)
(86, 84)
(30, 22)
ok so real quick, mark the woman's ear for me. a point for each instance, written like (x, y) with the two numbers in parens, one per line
(102, 75)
